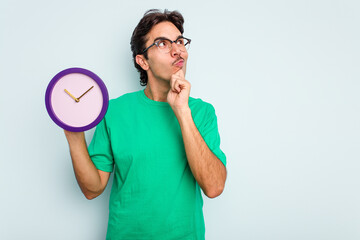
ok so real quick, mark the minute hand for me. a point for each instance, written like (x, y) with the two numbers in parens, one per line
(85, 93)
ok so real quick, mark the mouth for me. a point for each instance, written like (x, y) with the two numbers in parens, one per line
(179, 63)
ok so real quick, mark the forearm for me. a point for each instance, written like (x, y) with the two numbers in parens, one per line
(86, 173)
(208, 170)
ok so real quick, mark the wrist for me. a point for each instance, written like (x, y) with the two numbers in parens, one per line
(183, 114)
(182, 111)
(74, 137)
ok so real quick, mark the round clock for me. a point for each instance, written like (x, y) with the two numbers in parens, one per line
(76, 99)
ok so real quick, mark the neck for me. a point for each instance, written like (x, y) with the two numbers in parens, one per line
(157, 91)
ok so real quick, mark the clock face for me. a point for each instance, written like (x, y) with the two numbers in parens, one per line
(76, 99)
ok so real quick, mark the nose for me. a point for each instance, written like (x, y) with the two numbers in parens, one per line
(175, 50)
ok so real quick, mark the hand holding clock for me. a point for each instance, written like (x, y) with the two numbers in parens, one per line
(77, 118)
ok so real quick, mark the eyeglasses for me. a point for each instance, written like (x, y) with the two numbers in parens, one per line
(165, 45)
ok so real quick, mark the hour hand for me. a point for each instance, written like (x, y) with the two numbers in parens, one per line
(76, 100)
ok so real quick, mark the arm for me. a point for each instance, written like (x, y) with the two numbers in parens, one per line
(92, 181)
(208, 170)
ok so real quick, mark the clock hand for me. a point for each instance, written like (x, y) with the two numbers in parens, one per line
(85, 93)
(76, 99)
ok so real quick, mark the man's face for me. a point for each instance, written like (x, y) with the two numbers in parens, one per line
(163, 65)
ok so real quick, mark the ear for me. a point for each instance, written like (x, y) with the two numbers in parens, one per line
(140, 59)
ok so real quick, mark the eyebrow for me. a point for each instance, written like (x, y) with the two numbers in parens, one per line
(163, 38)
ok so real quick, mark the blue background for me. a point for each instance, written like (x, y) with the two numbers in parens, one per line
(283, 77)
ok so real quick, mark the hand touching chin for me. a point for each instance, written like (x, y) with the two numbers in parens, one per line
(178, 95)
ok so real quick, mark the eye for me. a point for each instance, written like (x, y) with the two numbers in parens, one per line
(180, 41)
(162, 44)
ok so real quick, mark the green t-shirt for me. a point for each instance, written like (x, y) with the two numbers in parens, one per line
(154, 194)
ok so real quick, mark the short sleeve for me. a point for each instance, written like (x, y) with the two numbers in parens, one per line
(100, 148)
(210, 133)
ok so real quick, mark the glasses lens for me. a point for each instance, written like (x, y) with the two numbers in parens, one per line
(165, 45)
(186, 44)
(183, 44)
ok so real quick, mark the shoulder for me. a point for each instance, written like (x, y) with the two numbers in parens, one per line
(122, 103)
(197, 105)
(201, 111)
(124, 99)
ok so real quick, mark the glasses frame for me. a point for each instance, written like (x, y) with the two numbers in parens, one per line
(163, 38)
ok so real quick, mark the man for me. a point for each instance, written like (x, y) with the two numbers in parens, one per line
(162, 144)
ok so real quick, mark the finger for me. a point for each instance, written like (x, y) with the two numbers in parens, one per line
(180, 73)
(176, 87)
(173, 80)
(182, 82)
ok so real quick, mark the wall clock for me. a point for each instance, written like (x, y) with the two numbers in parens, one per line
(76, 99)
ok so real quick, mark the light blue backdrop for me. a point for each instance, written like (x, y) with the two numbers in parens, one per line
(283, 77)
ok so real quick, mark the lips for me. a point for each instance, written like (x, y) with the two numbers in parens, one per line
(179, 63)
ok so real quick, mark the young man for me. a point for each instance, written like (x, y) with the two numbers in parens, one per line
(162, 144)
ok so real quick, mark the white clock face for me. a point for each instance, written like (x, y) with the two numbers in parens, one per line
(76, 100)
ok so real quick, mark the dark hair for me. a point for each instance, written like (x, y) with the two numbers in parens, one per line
(138, 38)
